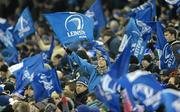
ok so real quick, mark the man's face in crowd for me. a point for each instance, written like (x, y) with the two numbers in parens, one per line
(80, 88)
(168, 36)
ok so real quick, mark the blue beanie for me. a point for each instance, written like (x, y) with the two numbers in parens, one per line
(82, 80)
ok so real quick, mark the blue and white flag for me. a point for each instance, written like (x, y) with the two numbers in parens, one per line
(121, 65)
(6, 37)
(140, 85)
(107, 90)
(139, 33)
(96, 12)
(24, 26)
(10, 55)
(171, 100)
(166, 55)
(71, 26)
(26, 70)
(145, 12)
(45, 83)
(111, 100)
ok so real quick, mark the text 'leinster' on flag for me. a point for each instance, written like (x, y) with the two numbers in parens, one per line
(139, 33)
(96, 12)
(45, 83)
(71, 26)
(24, 26)
(26, 70)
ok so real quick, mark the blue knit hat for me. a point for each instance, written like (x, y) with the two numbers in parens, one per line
(82, 80)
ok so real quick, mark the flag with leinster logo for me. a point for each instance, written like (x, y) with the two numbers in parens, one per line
(24, 26)
(71, 26)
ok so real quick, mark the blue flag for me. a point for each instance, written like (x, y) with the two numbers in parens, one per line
(171, 100)
(24, 26)
(71, 26)
(26, 71)
(139, 33)
(96, 12)
(10, 55)
(111, 100)
(121, 65)
(47, 54)
(145, 12)
(6, 37)
(45, 83)
(167, 58)
(140, 85)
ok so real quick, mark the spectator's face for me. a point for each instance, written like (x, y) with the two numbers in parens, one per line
(168, 36)
(89, 100)
(171, 80)
(13, 80)
(2, 74)
(67, 90)
(80, 88)
(145, 63)
(101, 62)
(55, 61)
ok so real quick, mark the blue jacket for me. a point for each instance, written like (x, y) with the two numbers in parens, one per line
(94, 77)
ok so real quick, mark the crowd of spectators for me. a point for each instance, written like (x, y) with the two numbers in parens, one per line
(77, 96)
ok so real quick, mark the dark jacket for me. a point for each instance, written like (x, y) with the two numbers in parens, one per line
(81, 98)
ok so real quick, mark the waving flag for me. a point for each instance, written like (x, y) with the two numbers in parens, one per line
(26, 70)
(167, 58)
(107, 90)
(71, 26)
(10, 55)
(24, 26)
(139, 33)
(140, 85)
(96, 12)
(111, 100)
(145, 12)
(121, 65)
(47, 54)
(6, 37)
(171, 100)
(45, 83)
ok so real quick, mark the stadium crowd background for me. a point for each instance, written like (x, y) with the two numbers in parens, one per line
(115, 12)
